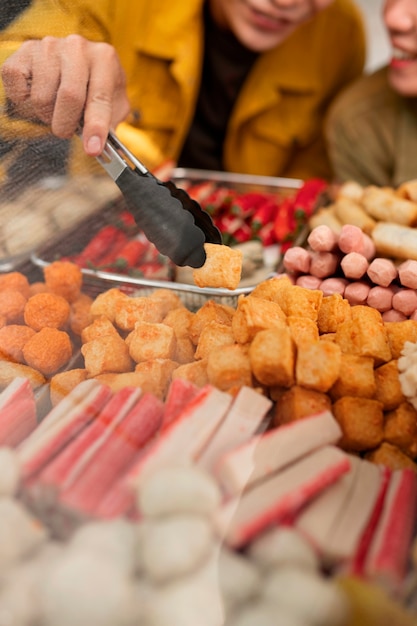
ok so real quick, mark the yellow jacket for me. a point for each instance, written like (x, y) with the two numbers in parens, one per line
(276, 125)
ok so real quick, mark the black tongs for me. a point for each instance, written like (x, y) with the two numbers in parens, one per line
(170, 219)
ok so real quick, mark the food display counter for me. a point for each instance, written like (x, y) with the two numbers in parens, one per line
(185, 456)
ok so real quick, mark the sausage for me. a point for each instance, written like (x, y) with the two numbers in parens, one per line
(351, 239)
(308, 281)
(329, 286)
(393, 316)
(407, 274)
(357, 292)
(382, 272)
(323, 264)
(380, 298)
(354, 265)
(297, 260)
(322, 239)
(405, 301)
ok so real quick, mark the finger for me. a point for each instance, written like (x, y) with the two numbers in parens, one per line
(16, 74)
(46, 77)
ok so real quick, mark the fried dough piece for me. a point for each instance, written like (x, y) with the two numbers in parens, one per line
(297, 402)
(106, 354)
(12, 306)
(9, 371)
(272, 357)
(47, 309)
(361, 421)
(64, 279)
(63, 383)
(253, 315)
(229, 367)
(222, 267)
(48, 350)
(13, 338)
(391, 456)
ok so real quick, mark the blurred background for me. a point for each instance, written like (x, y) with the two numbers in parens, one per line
(379, 50)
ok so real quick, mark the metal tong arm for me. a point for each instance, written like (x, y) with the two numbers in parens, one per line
(114, 163)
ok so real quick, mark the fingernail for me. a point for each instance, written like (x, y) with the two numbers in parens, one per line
(94, 145)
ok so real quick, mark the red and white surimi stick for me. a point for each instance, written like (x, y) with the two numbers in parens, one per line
(272, 451)
(380, 298)
(405, 301)
(83, 491)
(35, 453)
(387, 558)
(308, 282)
(179, 393)
(323, 264)
(280, 496)
(17, 412)
(118, 501)
(357, 292)
(243, 420)
(297, 260)
(329, 286)
(322, 239)
(71, 460)
(407, 274)
(354, 265)
(382, 272)
(185, 438)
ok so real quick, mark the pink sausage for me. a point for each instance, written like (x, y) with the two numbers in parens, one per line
(351, 239)
(329, 286)
(382, 272)
(354, 265)
(323, 264)
(380, 298)
(308, 281)
(413, 316)
(369, 249)
(297, 260)
(357, 292)
(407, 273)
(405, 301)
(393, 316)
(322, 239)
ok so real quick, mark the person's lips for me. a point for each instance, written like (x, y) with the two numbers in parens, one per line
(268, 22)
(402, 58)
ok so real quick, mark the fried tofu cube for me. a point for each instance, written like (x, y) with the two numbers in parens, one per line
(298, 402)
(302, 329)
(184, 350)
(213, 336)
(180, 320)
(210, 311)
(106, 354)
(388, 386)
(151, 341)
(222, 267)
(105, 303)
(155, 375)
(138, 309)
(100, 327)
(390, 456)
(229, 367)
(400, 332)
(365, 335)
(301, 302)
(195, 372)
(318, 365)
(356, 377)
(361, 421)
(272, 289)
(401, 428)
(334, 310)
(253, 315)
(272, 357)
(168, 300)
(62, 383)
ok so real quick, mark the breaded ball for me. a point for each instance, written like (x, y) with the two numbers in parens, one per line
(80, 316)
(64, 278)
(16, 281)
(48, 350)
(13, 338)
(46, 310)
(12, 305)
(38, 287)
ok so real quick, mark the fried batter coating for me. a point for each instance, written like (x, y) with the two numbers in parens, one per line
(80, 316)
(62, 383)
(16, 281)
(48, 350)
(13, 338)
(38, 287)
(46, 310)
(12, 305)
(64, 278)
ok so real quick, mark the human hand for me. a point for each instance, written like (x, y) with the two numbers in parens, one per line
(65, 82)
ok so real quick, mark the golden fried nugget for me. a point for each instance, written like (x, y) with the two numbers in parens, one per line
(210, 310)
(213, 336)
(401, 428)
(400, 332)
(38, 287)
(301, 302)
(253, 315)
(106, 354)
(61, 384)
(64, 278)
(334, 310)
(155, 376)
(184, 350)
(137, 309)
(12, 306)
(195, 372)
(100, 327)
(151, 341)
(388, 386)
(272, 357)
(13, 338)
(105, 303)
(222, 267)
(229, 367)
(179, 319)
(318, 365)
(356, 377)
(47, 310)
(80, 315)
(302, 329)
(390, 456)
(168, 300)
(365, 335)
(297, 402)
(9, 371)
(16, 281)
(48, 350)
(361, 421)
(272, 289)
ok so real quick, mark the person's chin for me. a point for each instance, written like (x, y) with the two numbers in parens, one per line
(405, 85)
(260, 40)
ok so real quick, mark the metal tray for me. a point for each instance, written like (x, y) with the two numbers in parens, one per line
(73, 240)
